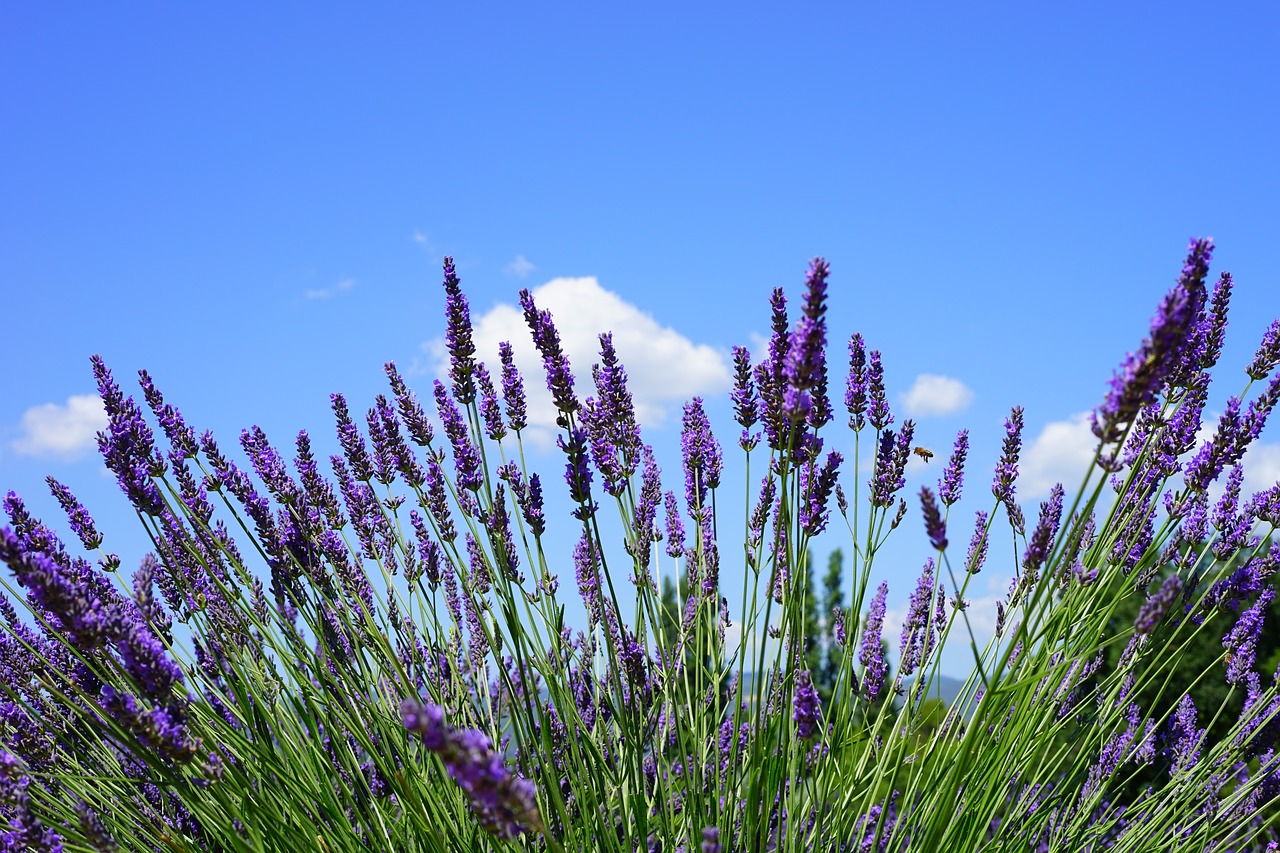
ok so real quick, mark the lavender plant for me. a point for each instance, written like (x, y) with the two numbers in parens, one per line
(377, 656)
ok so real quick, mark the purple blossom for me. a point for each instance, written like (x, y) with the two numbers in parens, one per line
(1241, 641)
(745, 401)
(466, 458)
(457, 337)
(490, 411)
(1154, 608)
(1142, 375)
(953, 475)
(505, 804)
(128, 445)
(711, 840)
(554, 360)
(871, 652)
(512, 389)
(891, 464)
(878, 414)
(181, 437)
(703, 459)
(81, 522)
(617, 405)
(353, 446)
(1218, 451)
(415, 420)
(1007, 469)
(675, 527)
(855, 395)
(1268, 355)
(1042, 537)
(919, 627)
(933, 523)
(804, 368)
(1184, 738)
(806, 706)
(577, 473)
(437, 502)
(1215, 324)
(587, 569)
(815, 487)
(504, 544)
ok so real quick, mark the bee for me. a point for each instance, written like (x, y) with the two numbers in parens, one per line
(924, 454)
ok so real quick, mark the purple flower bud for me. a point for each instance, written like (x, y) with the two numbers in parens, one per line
(744, 398)
(512, 389)
(505, 805)
(577, 473)
(675, 527)
(1042, 537)
(415, 420)
(587, 569)
(933, 523)
(703, 459)
(816, 488)
(457, 337)
(711, 840)
(1154, 608)
(953, 474)
(489, 408)
(1268, 355)
(871, 652)
(1007, 470)
(878, 413)
(466, 458)
(554, 361)
(1241, 642)
(181, 437)
(806, 707)
(855, 395)
(352, 442)
(81, 522)
(1184, 738)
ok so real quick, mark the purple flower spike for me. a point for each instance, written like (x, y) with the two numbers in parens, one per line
(953, 476)
(415, 420)
(745, 402)
(466, 459)
(806, 706)
(933, 523)
(711, 840)
(554, 361)
(675, 527)
(1143, 374)
(1154, 608)
(1241, 642)
(878, 413)
(871, 652)
(181, 437)
(855, 395)
(804, 368)
(352, 442)
(505, 805)
(512, 389)
(816, 489)
(703, 459)
(921, 626)
(1007, 470)
(489, 408)
(577, 473)
(81, 521)
(1268, 355)
(457, 337)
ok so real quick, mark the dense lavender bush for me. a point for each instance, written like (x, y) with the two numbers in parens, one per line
(376, 657)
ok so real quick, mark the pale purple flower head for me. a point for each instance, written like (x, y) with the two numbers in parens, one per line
(466, 458)
(415, 420)
(1007, 469)
(1241, 642)
(806, 706)
(953, 475)
(871, 652)
(512, 389)
(1268, 355)
(1154, 608)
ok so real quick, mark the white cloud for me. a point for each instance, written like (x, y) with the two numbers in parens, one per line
(934, 395)
(520, 267)
(664, 368)
(325, 292)
(67, 430)
(1061, 453)
(1261, 468)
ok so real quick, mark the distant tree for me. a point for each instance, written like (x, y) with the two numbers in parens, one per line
(833, 599)
(671, 611)
(813, 631)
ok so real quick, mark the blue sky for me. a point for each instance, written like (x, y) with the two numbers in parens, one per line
(253, 203)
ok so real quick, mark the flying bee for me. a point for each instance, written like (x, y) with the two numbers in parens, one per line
(924, 454)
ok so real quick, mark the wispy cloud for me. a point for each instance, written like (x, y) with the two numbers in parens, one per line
(64, 430)
(663, 366)
(326, 292)
(1061, 453)
(935, 395)
(520, 267)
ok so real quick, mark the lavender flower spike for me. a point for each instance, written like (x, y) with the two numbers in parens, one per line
(953, 476)
(457, 337)
(505, 805)
(805, 709)
(556, 363)
(1007, 469)
(1268, 355)
(871, 653)
(933, 523)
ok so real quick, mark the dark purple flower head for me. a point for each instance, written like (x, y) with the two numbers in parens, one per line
(855, 395)
(353, 446)
(505, 804)
(1007, 469)
(953, 475)
(489, 408)
(711, 840)
(933, 523)
(512, 389)
(1154, 608)
(587, 569)
(457, 337)
(616, 403)
(1241, 642)
(1224, 448)
(675, 527)
(891, 464)
(128, 445)
(438, 502)
(554, 360)
(577, 473)
(181, 437)
(871, 652)
(703, 459)
(815, 487)
(81, 522)
(920, 627)
(1143, 374)
(804, 368)
(1042, 537)
(806, 706)
(745, 402)
(1268, 355)
(1184, 737)
(878, 413)
(415, 420)
(466, 458)
(1215, 323)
